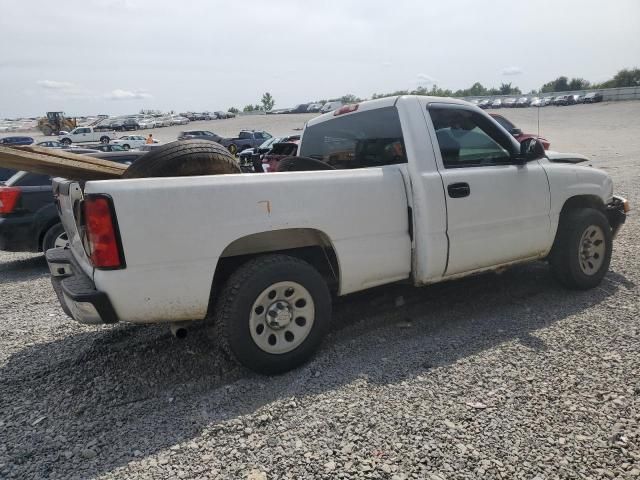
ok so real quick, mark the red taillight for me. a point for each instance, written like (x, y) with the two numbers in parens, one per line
(346, 109)
(8, 198)
(102, 235)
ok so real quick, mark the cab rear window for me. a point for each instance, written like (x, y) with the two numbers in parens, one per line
(365, 139)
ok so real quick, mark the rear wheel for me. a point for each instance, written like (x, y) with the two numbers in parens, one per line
(55, 237)
(233, 149)
(104, 139)
(126, 147)
(582, 251)
(47, 130)
(273, 313)
(184, 158)
(66, 141)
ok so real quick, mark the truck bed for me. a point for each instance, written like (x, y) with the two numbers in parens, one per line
(172, 237)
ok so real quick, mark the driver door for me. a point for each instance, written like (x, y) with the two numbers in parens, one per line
(497, 210)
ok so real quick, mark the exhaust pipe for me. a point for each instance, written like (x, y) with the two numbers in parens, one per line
(179, 330)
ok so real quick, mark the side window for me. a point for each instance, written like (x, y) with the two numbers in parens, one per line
(33, 180)
(244, 135)
(258, 135)
(265, 135)
(366, 139)
(468, 139)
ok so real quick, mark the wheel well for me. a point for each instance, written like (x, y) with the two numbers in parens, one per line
(583, 201)
(312, 246)
(44, 231)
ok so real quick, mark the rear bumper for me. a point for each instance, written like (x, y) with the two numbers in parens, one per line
(76, 291)
(617, 213)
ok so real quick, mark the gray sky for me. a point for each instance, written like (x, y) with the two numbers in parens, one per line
(117, 56)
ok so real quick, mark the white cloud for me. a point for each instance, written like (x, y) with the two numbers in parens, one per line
(512, 71)
(119, 94)
(55, 85)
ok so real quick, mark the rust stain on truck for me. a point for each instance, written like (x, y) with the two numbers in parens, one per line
(268, 205)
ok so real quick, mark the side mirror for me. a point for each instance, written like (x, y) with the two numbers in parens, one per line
(531, 149)
(515, 131)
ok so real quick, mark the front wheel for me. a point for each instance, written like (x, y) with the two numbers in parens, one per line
(233, 149)
(65, 141)
(273, 313)
(582, 251)
(126, 147)
(104, 140)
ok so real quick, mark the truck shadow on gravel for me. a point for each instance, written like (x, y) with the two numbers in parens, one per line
(23, 270)
(127, 391)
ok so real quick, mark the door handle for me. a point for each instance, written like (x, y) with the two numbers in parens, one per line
(459, 190)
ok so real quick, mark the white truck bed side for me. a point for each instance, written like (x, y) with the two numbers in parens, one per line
(192, 220)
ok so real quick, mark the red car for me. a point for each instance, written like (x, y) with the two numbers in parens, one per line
(278, 152)
(516, 132)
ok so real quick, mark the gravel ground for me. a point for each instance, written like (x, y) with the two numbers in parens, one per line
(497, 376)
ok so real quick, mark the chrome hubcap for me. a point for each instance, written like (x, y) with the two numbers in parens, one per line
(281, 317)
(592, 250)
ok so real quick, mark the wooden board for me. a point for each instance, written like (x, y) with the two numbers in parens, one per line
(58, 163)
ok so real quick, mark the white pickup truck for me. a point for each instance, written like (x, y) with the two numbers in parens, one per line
(87, 134)
(422, 190)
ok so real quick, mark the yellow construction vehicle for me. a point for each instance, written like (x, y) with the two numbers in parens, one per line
(54, 122)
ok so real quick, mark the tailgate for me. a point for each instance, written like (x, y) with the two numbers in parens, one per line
(68, 196)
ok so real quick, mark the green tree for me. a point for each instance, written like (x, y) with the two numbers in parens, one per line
(248, 108)
(267, 102)
(560, 84)
(578, 84)
(628, 77)
(233, 110)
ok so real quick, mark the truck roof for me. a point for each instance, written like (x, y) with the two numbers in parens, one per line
(385, 102)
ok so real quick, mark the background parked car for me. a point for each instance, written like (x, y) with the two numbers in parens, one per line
(245, 139)
(509, 102)
(578, 99)
(6, 174)
(278, 152)
(561, 100)
(593, 97)
(547, 101)
(497, 103)
(178, 120)
(536, 102)
(52, 144)
(130, 141)
(331, 106)
(199, 135)
(17, 140)
(29, 220)
(108, 147)
(314, 107)
(523, 102)
(130, 124)
(247, 155)
(516, 132)
(145, 123)
(484, 104)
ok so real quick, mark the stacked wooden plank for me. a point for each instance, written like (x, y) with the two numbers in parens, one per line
(59, 163)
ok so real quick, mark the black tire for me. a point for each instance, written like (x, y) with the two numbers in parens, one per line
(126, 146)
(47, 130)
(184, 158)
(567, 262)
(104, 140)
(235, 305)
(233, 149)
(65, 141)
(51, 236)
(302, 164)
